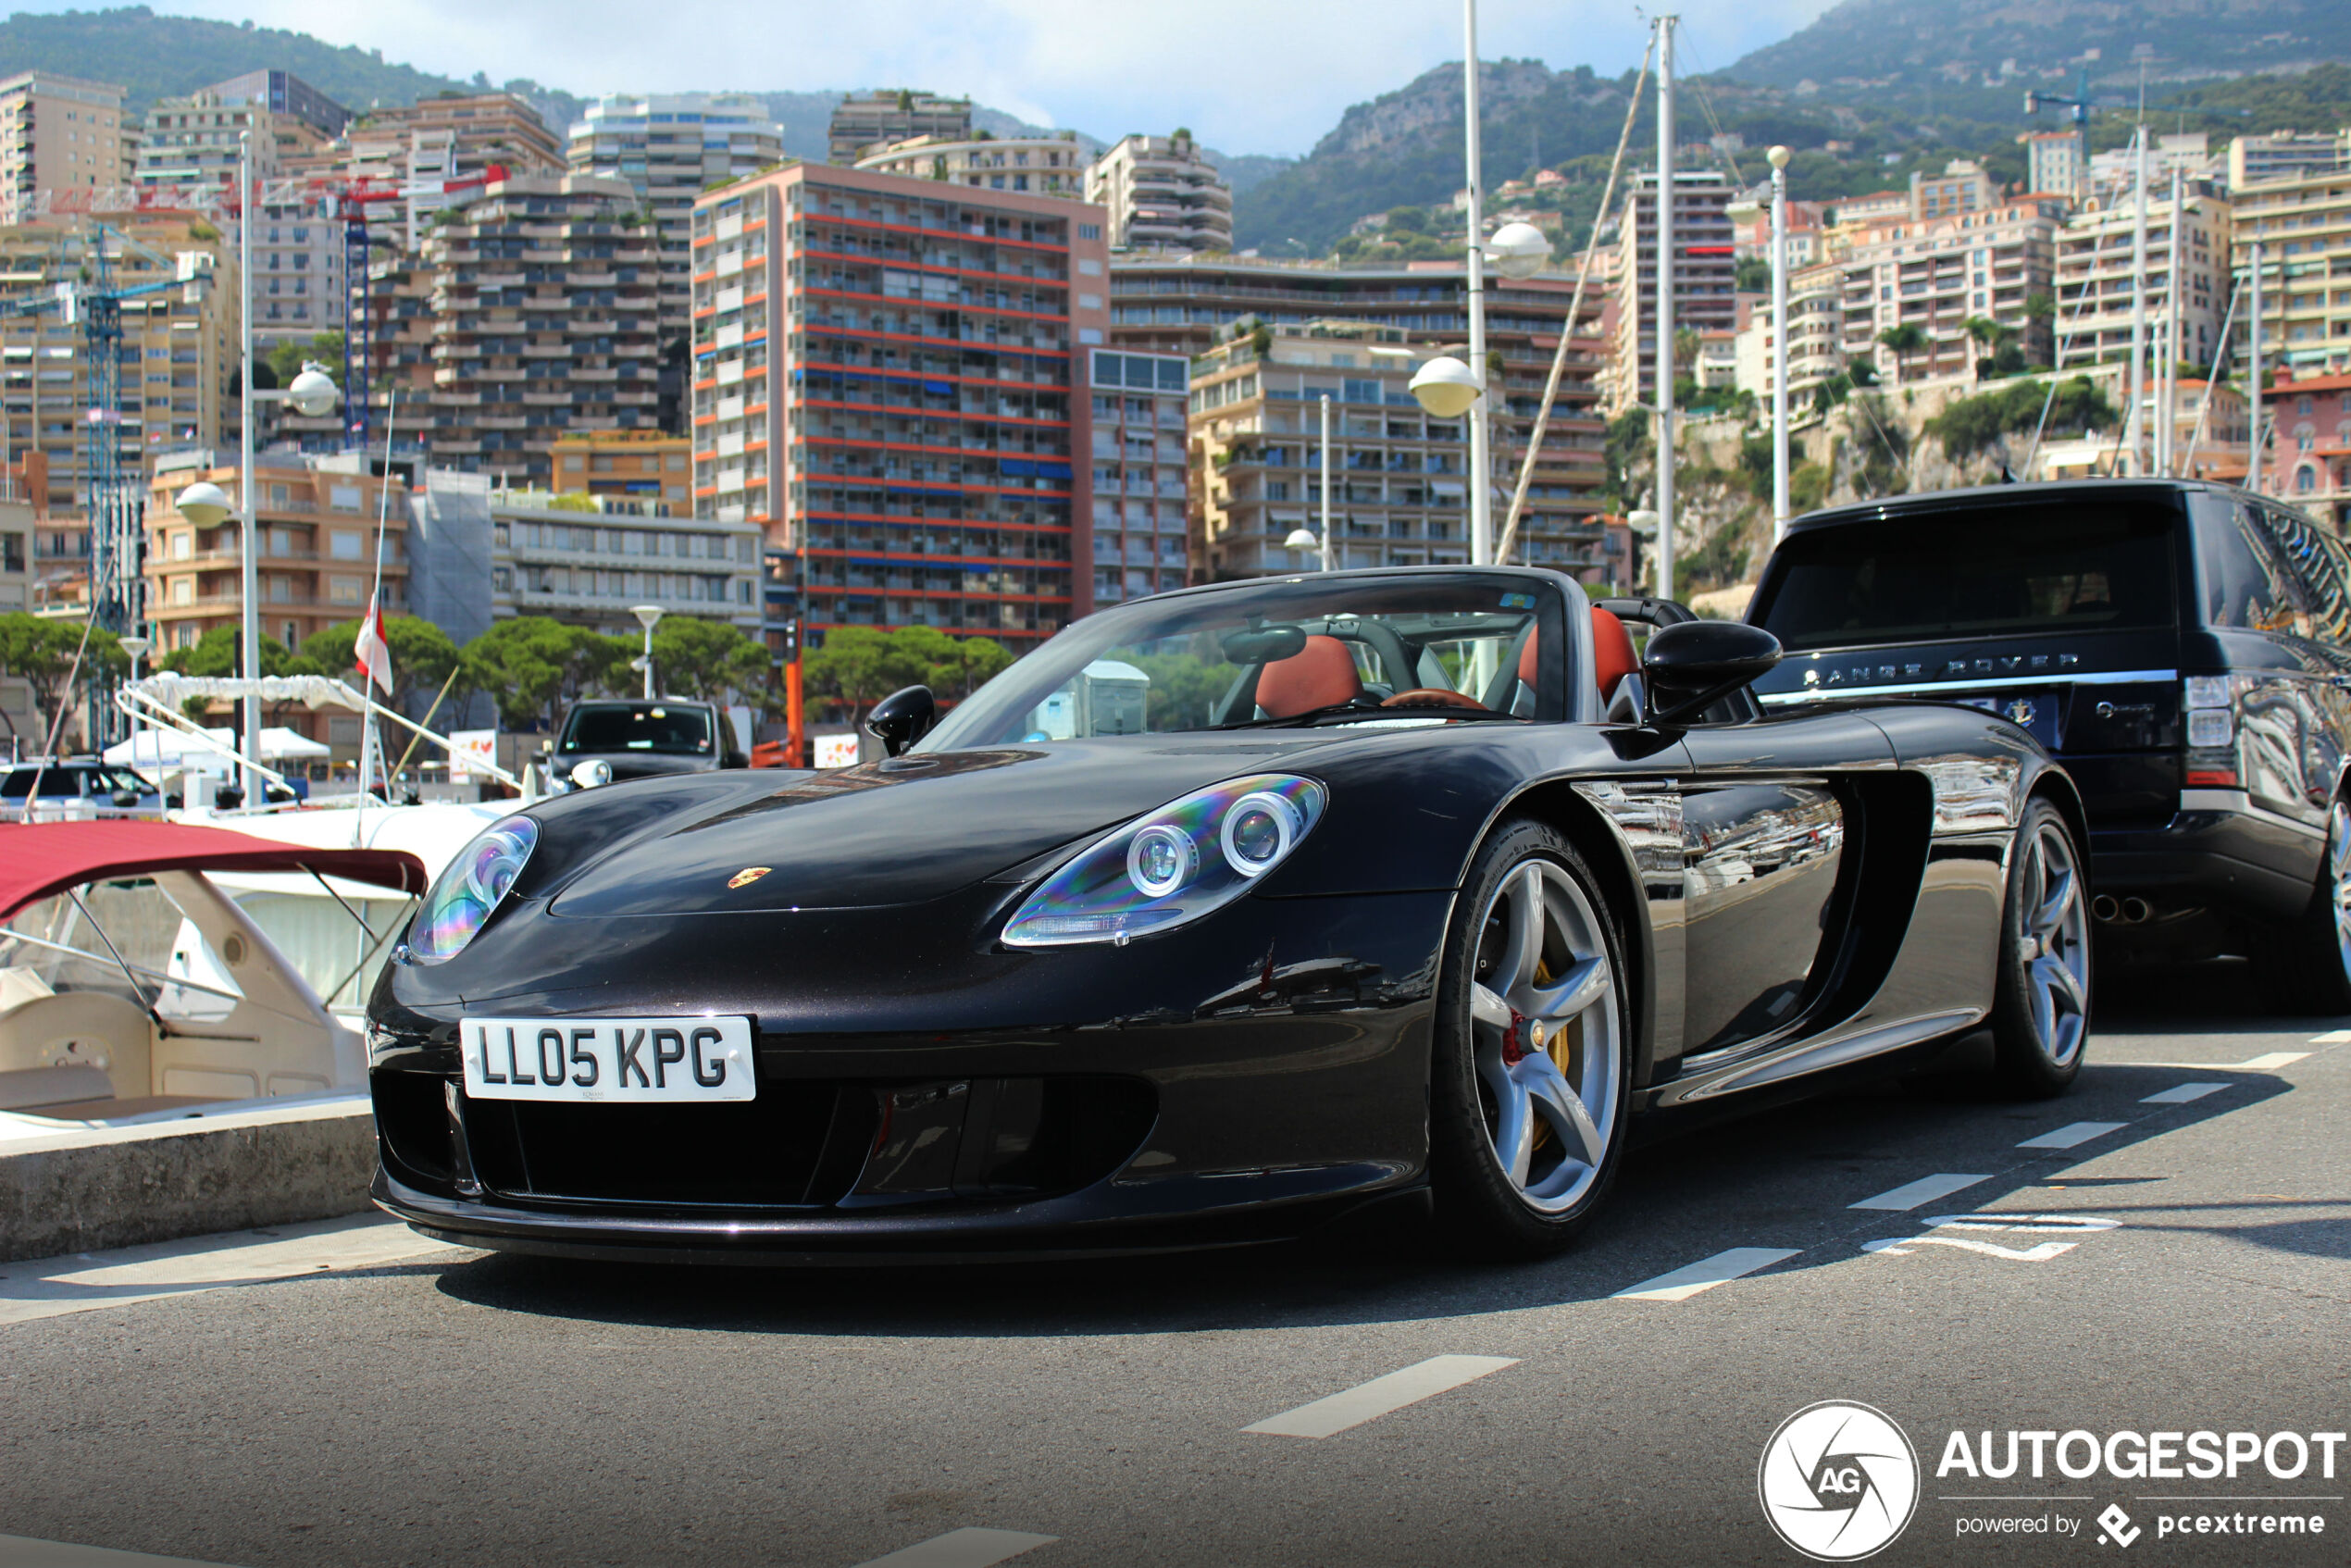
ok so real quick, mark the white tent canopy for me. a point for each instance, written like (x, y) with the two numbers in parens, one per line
(172, 748)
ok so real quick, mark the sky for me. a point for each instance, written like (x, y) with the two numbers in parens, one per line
(1245, 76)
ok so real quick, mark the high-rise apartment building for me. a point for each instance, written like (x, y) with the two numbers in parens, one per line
(645, 468)
(861, 119)
(2303, 224)
(193, 142)
(591, 566)
(1399, 479)
(58, 132)
(2097, 282)
(316, 545)
(287, 96)
(1939, 274)
(179, 352)
(1141, 521)
(2058, 162)
(1053, 166)
(439, 149)
(1177, 305)
(1705, 269)
(1816, 329)
(2282, 155)
(1161, 194)
(669, 147)
(538, 299)
(885, 378)
(1961, 187)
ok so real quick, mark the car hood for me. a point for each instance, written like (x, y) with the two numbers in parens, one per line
(901, 831)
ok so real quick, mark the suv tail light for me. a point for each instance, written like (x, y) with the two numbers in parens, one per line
(2211, 732)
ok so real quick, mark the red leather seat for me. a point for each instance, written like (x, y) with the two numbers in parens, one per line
(1612, 655)
(1317, 676)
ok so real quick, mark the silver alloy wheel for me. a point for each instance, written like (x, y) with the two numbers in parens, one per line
(2339, 872)
(2054, 945)
(1545, 1030)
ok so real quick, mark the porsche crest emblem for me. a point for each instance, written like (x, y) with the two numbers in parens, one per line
(747, 875)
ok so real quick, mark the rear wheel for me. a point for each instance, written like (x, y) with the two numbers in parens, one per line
(2041, 1015)
(1532, 1049)
(2311, 972)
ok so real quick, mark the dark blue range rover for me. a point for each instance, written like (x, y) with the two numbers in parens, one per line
(2180, 646)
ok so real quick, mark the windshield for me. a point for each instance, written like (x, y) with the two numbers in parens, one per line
(1421, 649)
(2068, 564)
(664, 727)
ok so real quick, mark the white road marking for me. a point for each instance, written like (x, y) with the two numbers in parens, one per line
(1369, 1402)
(2181, 1094)
(2073, 1133)
(22, 1551)
(968, 1548)
(2269, 1064)
(54, 1287)
(2333, 1037)
(2039, 1252)
(1917, 1194)
(1706, 1273)
(2272, 1062)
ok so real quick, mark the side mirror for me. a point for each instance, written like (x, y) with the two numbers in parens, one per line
(1694, 664)
(901, 718)
(590, 774)
(125, 800)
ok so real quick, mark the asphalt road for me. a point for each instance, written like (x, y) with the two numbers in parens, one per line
(2184, 1266)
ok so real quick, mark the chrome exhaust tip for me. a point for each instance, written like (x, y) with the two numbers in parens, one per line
(2136, 911)
(2104, 908)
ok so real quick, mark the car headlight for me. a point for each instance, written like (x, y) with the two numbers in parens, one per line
(469, 888)
(1171, 865)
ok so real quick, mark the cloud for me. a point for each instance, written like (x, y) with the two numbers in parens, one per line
(1243, 75)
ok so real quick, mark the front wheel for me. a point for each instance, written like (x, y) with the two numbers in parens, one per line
(1531, 1067)
(2041, 1013)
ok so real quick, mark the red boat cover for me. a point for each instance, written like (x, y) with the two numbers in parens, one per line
(41, 858)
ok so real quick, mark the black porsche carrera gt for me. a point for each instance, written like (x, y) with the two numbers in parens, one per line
(1222, 914)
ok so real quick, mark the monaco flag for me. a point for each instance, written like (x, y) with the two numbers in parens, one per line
(368, 651)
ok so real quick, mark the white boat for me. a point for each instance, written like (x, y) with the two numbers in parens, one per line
(137, 984)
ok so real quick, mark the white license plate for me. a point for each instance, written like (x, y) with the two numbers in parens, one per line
(616, 1061)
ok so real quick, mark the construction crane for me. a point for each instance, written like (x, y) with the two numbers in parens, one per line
(116, 588)
(342, 199)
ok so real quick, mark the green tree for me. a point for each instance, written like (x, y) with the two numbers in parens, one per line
(694, 657)
(530, 664)
(1408, 220)
(39, 651)
(856, 667)
(1904, 341)
(285, 361)
(1752, 275)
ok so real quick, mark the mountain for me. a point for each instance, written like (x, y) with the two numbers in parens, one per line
(1881, 42)
(165, 56)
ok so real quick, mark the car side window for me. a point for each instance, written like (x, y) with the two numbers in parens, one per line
(2317, 571)
(2245, 585)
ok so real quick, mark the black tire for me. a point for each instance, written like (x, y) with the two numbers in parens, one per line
(2309, 969)
(2041, 1008)
(1586, 1046)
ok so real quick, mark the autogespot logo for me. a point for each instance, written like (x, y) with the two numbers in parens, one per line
(1838, 1481)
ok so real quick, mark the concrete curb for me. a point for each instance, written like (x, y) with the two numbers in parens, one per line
(80, 1191)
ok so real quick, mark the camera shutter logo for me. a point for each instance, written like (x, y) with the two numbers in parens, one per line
(1839, 1481)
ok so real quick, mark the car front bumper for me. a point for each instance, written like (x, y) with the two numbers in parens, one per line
(1290, 1088)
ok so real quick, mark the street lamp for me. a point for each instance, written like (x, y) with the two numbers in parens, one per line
(134, 646)
(1747, 211)
(648, 617)
(205, 504)
(1304, 539)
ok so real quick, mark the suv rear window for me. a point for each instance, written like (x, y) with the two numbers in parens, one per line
(666, 728)
(2039, 567)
